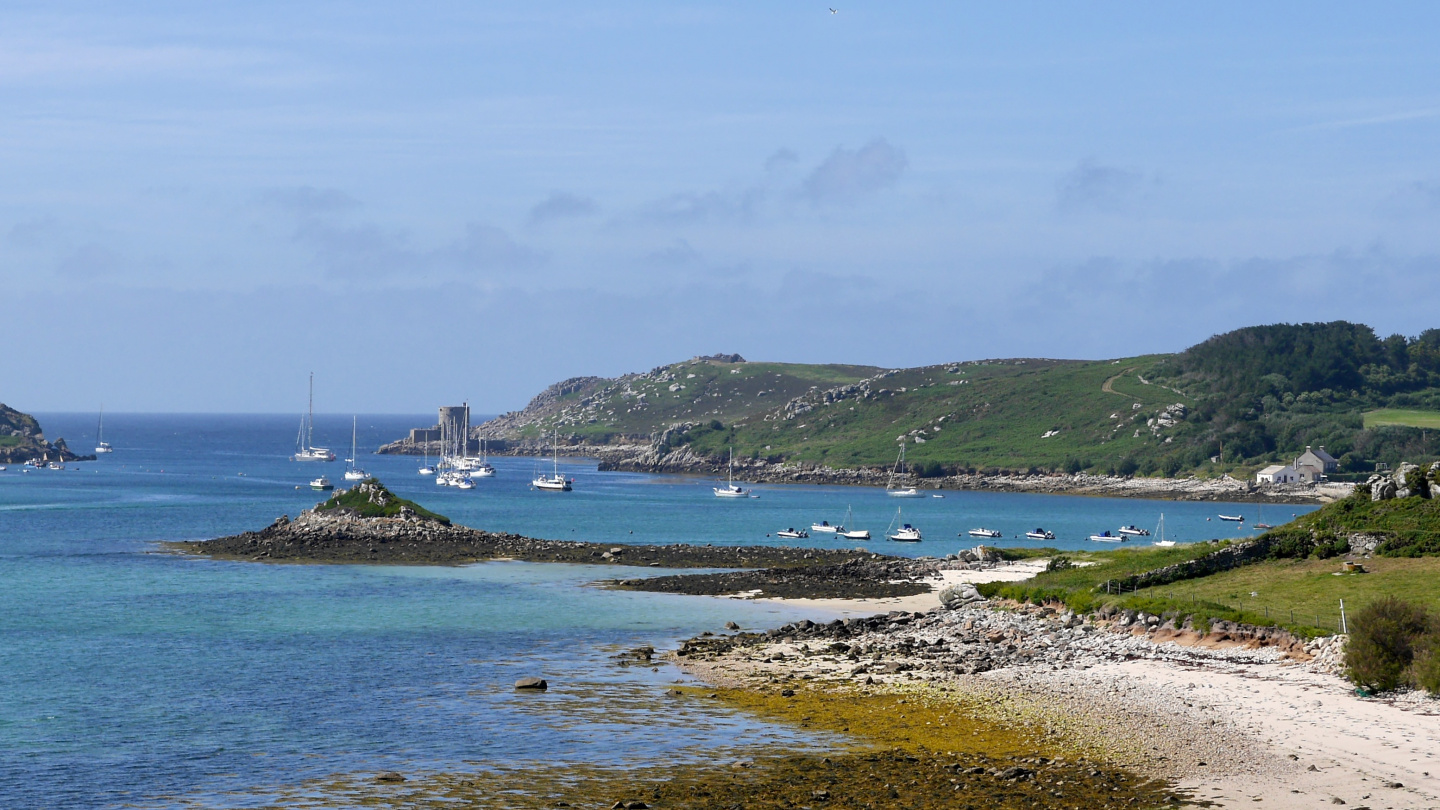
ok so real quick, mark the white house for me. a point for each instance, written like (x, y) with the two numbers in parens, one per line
(1277, 474)
(1313, 465)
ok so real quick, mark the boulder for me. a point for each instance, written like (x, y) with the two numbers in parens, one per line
(532, 683)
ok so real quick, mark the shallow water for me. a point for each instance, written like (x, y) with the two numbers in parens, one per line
(144, 678)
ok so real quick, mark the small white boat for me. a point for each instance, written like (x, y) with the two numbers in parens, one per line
(426, 470)
(823, 526)
(731, 491)
(1040, 534)
(1233, 518)
(991, 533)
(55, 465)
(1107, 537)
(555, 482)
(855, 534)
(793, 534)
(898, 492)
(1160, 530)
(1134, 531)
(354, 473)
(2, 468)
(937, 495)
(465, 483)
(101, 446)
(321, 483)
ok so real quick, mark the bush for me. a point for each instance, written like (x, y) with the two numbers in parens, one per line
(1425, 672)
(1382, 643)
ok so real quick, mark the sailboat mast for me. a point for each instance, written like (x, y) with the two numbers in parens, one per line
(310, 417)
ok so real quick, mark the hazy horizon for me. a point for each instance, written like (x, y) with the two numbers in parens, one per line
(202, 204)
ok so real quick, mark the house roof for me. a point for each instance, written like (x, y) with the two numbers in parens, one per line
(1318, 455)
(1273, 468)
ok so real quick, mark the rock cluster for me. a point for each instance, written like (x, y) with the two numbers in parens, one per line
(972, 638)
(1407, 480)
(866, 576)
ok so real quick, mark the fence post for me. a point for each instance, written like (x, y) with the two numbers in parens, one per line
(1344, 625)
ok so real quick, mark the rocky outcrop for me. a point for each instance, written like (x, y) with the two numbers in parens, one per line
(21, 439)
(341, 536)
(1406, 481)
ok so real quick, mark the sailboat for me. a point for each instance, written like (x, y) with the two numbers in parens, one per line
(890, 488)
(354, 473)
(305, 450)
(484, 470)
(906, 534)
(1160, 532)
(555, 482)
(852, 534)
(1260, 521)
(100, 445)
(731, 491)
(427, 469)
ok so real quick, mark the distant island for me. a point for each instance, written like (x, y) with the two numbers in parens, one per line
(21, 440)
(1214, 414)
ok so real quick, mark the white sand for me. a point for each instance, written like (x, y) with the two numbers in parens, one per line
(1358, 746)
(1009, 572)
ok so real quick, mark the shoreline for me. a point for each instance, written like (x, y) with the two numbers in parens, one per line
(633, 458)
(1241, 722)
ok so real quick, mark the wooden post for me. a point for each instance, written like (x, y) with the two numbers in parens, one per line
(1344, 625)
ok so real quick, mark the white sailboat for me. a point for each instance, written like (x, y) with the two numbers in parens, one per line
(899, 492)
(1160, 532)
(354, 473)
(305, 450)
(852, 534)
(731, 491)
(555, 482)
(483, 470)
(906, 533)
(100, 445)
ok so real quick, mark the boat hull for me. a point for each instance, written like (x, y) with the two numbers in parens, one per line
(904, 493)
(855, 535)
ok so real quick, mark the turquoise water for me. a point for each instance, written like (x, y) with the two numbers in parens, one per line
(129, 676)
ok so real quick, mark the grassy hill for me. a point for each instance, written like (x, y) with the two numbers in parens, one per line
(21, 439)
(1231, 404)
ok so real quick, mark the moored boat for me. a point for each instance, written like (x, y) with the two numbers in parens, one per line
(900, 492)
(1134, 531)
(823, 526)
(1040, 534)
(1107, 537)
(1233, 518)
(731, 490)
(321, 483)
(793, 533)
(851, 534)
(354, 473)
(305, 450)
(102, 446)
(1160, 530)
(990, 533)
(555, 482)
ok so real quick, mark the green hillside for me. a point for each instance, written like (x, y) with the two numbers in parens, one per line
(1230, 404)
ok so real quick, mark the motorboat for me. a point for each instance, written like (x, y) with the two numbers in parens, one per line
(730, 490)
(900, 492)
(1134, 531)
(555, 482)
(305, 450)
(793, 534)
(990, 533)
(851, 534)
(1233, 518)
(1107, 537)
(1160, 530)
(55, 465)
(101, 446)
(1040, 534)
(354, 473)
(321, 483)
(823, 526)
(464, 483)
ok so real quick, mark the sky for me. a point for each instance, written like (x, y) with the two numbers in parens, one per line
(428, 203)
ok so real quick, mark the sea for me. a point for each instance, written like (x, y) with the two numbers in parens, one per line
(135, 677)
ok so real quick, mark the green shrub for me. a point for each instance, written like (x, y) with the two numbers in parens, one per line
(1425, 671)
(1382, 643)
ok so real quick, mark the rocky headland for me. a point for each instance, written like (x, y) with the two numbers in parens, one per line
(21, 439)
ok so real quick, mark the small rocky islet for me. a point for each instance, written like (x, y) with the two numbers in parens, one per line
(368, 524)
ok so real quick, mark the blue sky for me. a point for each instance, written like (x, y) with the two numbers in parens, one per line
(200, 203)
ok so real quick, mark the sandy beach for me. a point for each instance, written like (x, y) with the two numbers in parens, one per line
(1232, 722)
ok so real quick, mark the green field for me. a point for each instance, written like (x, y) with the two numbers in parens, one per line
(1310, 586)
(1401, 416)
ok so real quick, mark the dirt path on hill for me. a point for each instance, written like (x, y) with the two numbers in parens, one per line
(1109, 385)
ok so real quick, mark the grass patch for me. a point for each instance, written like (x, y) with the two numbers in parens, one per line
(1411, 526)
(1402, 416)
(10, 441)
(370, 498)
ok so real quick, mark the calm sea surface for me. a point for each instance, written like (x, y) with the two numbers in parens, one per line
(130, 677)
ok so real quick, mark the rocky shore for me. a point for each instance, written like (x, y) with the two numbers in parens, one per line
(21, 440)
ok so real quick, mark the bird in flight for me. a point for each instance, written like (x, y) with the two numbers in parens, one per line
(834, 11)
